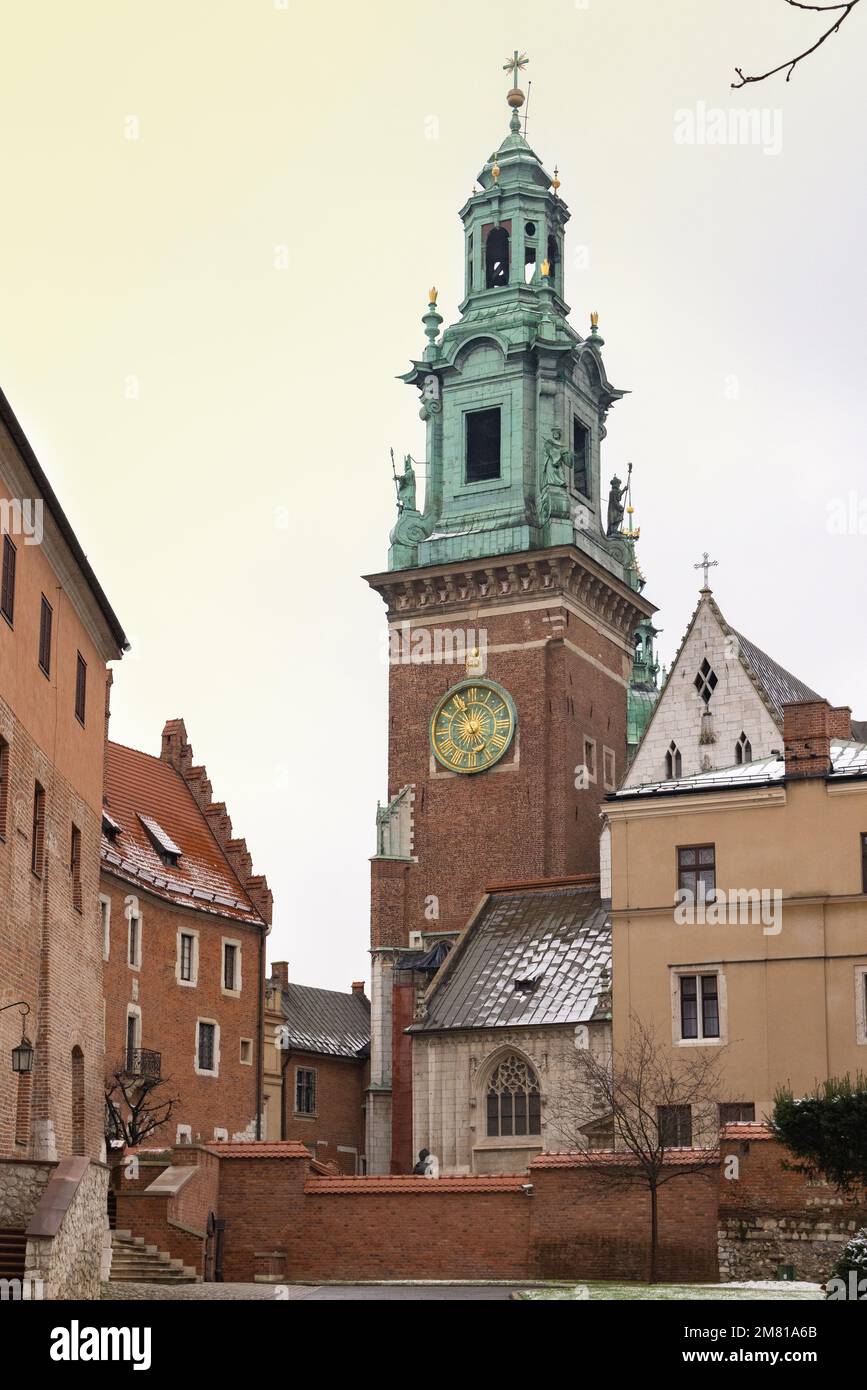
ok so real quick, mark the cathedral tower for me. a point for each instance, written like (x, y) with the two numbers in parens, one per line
(512, 599)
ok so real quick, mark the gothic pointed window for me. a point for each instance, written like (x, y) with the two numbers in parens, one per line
(497, 258)
(514, 1099)
(743, 750)
(705, 681)
(673, 762)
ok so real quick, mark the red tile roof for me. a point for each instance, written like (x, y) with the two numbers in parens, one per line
(139, 784)
(288, 1148)
(605, 1156)
(746, 1129)
(421, 1187)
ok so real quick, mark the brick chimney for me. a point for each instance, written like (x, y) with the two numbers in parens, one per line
(280, 971)
(357, 986)
(808, 728)
(840, 722)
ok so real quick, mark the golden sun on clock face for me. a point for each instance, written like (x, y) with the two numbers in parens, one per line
(472, 726)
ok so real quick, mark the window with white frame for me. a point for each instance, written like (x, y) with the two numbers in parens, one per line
(231, 977)
(207, 1047)
(133, 1036)
(861, 1004)
(105, 924)
(187, 962)
(698, 1005)
(133, 933)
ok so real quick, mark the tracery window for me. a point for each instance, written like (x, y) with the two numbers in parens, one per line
(743, 750)
(514, 1099)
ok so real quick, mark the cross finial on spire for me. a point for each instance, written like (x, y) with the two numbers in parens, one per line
(516, 64)
(705, 563)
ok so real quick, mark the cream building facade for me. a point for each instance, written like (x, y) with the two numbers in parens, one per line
(775, 971)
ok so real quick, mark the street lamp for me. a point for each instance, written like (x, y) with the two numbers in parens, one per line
(22, 1055)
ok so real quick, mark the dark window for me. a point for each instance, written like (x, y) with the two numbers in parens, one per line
(37, 849)
(483, 445)
(743, 750)
(673, 762)
(705, 681)
(131, 1041)
(737, 1112)
(305, 1091)
(45, 618)
(186, 956)
(207, 1040)
(514, 1101)
(553, 259)
(7, 587)
(230, 954)
(470, 271)
(675, 1126)
(80, 688)
(4, 786)
(133, 941)
(580, 457)
(497, 258)
(696, 864)
(75, 867)
(863, 850)
(699, 1006)
(529, 263)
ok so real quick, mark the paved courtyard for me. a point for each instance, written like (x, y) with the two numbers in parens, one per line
(390, 1293)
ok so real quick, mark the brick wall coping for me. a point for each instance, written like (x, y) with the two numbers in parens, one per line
(288, 1148)
(171, 1180)
(418, 1186)
(746, 1129)
(57, 1198)
(523, 884)
(605, 1157)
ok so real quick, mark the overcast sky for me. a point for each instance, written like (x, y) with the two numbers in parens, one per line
(220, 222)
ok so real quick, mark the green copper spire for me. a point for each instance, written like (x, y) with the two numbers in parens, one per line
(514, 399)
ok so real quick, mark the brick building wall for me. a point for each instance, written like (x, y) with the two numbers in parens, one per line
(169, 1010)
(336, 1132)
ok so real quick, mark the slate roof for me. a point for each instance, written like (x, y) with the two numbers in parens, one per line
(848, 759)
(140, 787)
(556, 940)
(325, 1020)
(780, 686)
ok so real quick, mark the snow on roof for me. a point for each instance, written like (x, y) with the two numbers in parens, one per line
(848, 759)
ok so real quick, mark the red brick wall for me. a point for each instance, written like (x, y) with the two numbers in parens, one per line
(339, 1118)
(763, 1187)
(169, 1010)
(519, 821)
(572, 1226)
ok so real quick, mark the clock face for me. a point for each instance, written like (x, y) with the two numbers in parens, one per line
(472, 726)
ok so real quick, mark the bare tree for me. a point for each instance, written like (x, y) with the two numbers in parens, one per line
(132, 1111)
(644, 1117)
(842, 10)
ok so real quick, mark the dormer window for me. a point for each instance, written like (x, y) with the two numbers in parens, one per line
(705, 681)
(743, 750)
(497, 258)
(164, 845)
(110, 827)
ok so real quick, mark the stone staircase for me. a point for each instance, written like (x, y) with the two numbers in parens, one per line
(132, 1261)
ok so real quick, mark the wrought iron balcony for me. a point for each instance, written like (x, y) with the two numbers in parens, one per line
(141, 1061)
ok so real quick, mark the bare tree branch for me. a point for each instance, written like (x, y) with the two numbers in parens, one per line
(132, 1112)
(846, 9)
(632, 1096)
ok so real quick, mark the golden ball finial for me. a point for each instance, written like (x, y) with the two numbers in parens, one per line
(495, 170)
(555, 182)
(515, 98)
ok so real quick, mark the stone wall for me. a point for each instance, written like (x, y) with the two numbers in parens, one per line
(769, 1216)
(68, 1240)
(22, 1184)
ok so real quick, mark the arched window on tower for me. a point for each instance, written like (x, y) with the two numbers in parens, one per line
(743, 750)
(554, 261)
(497, 258)
(514, 1099)
(78, 1123)
(673, 762)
